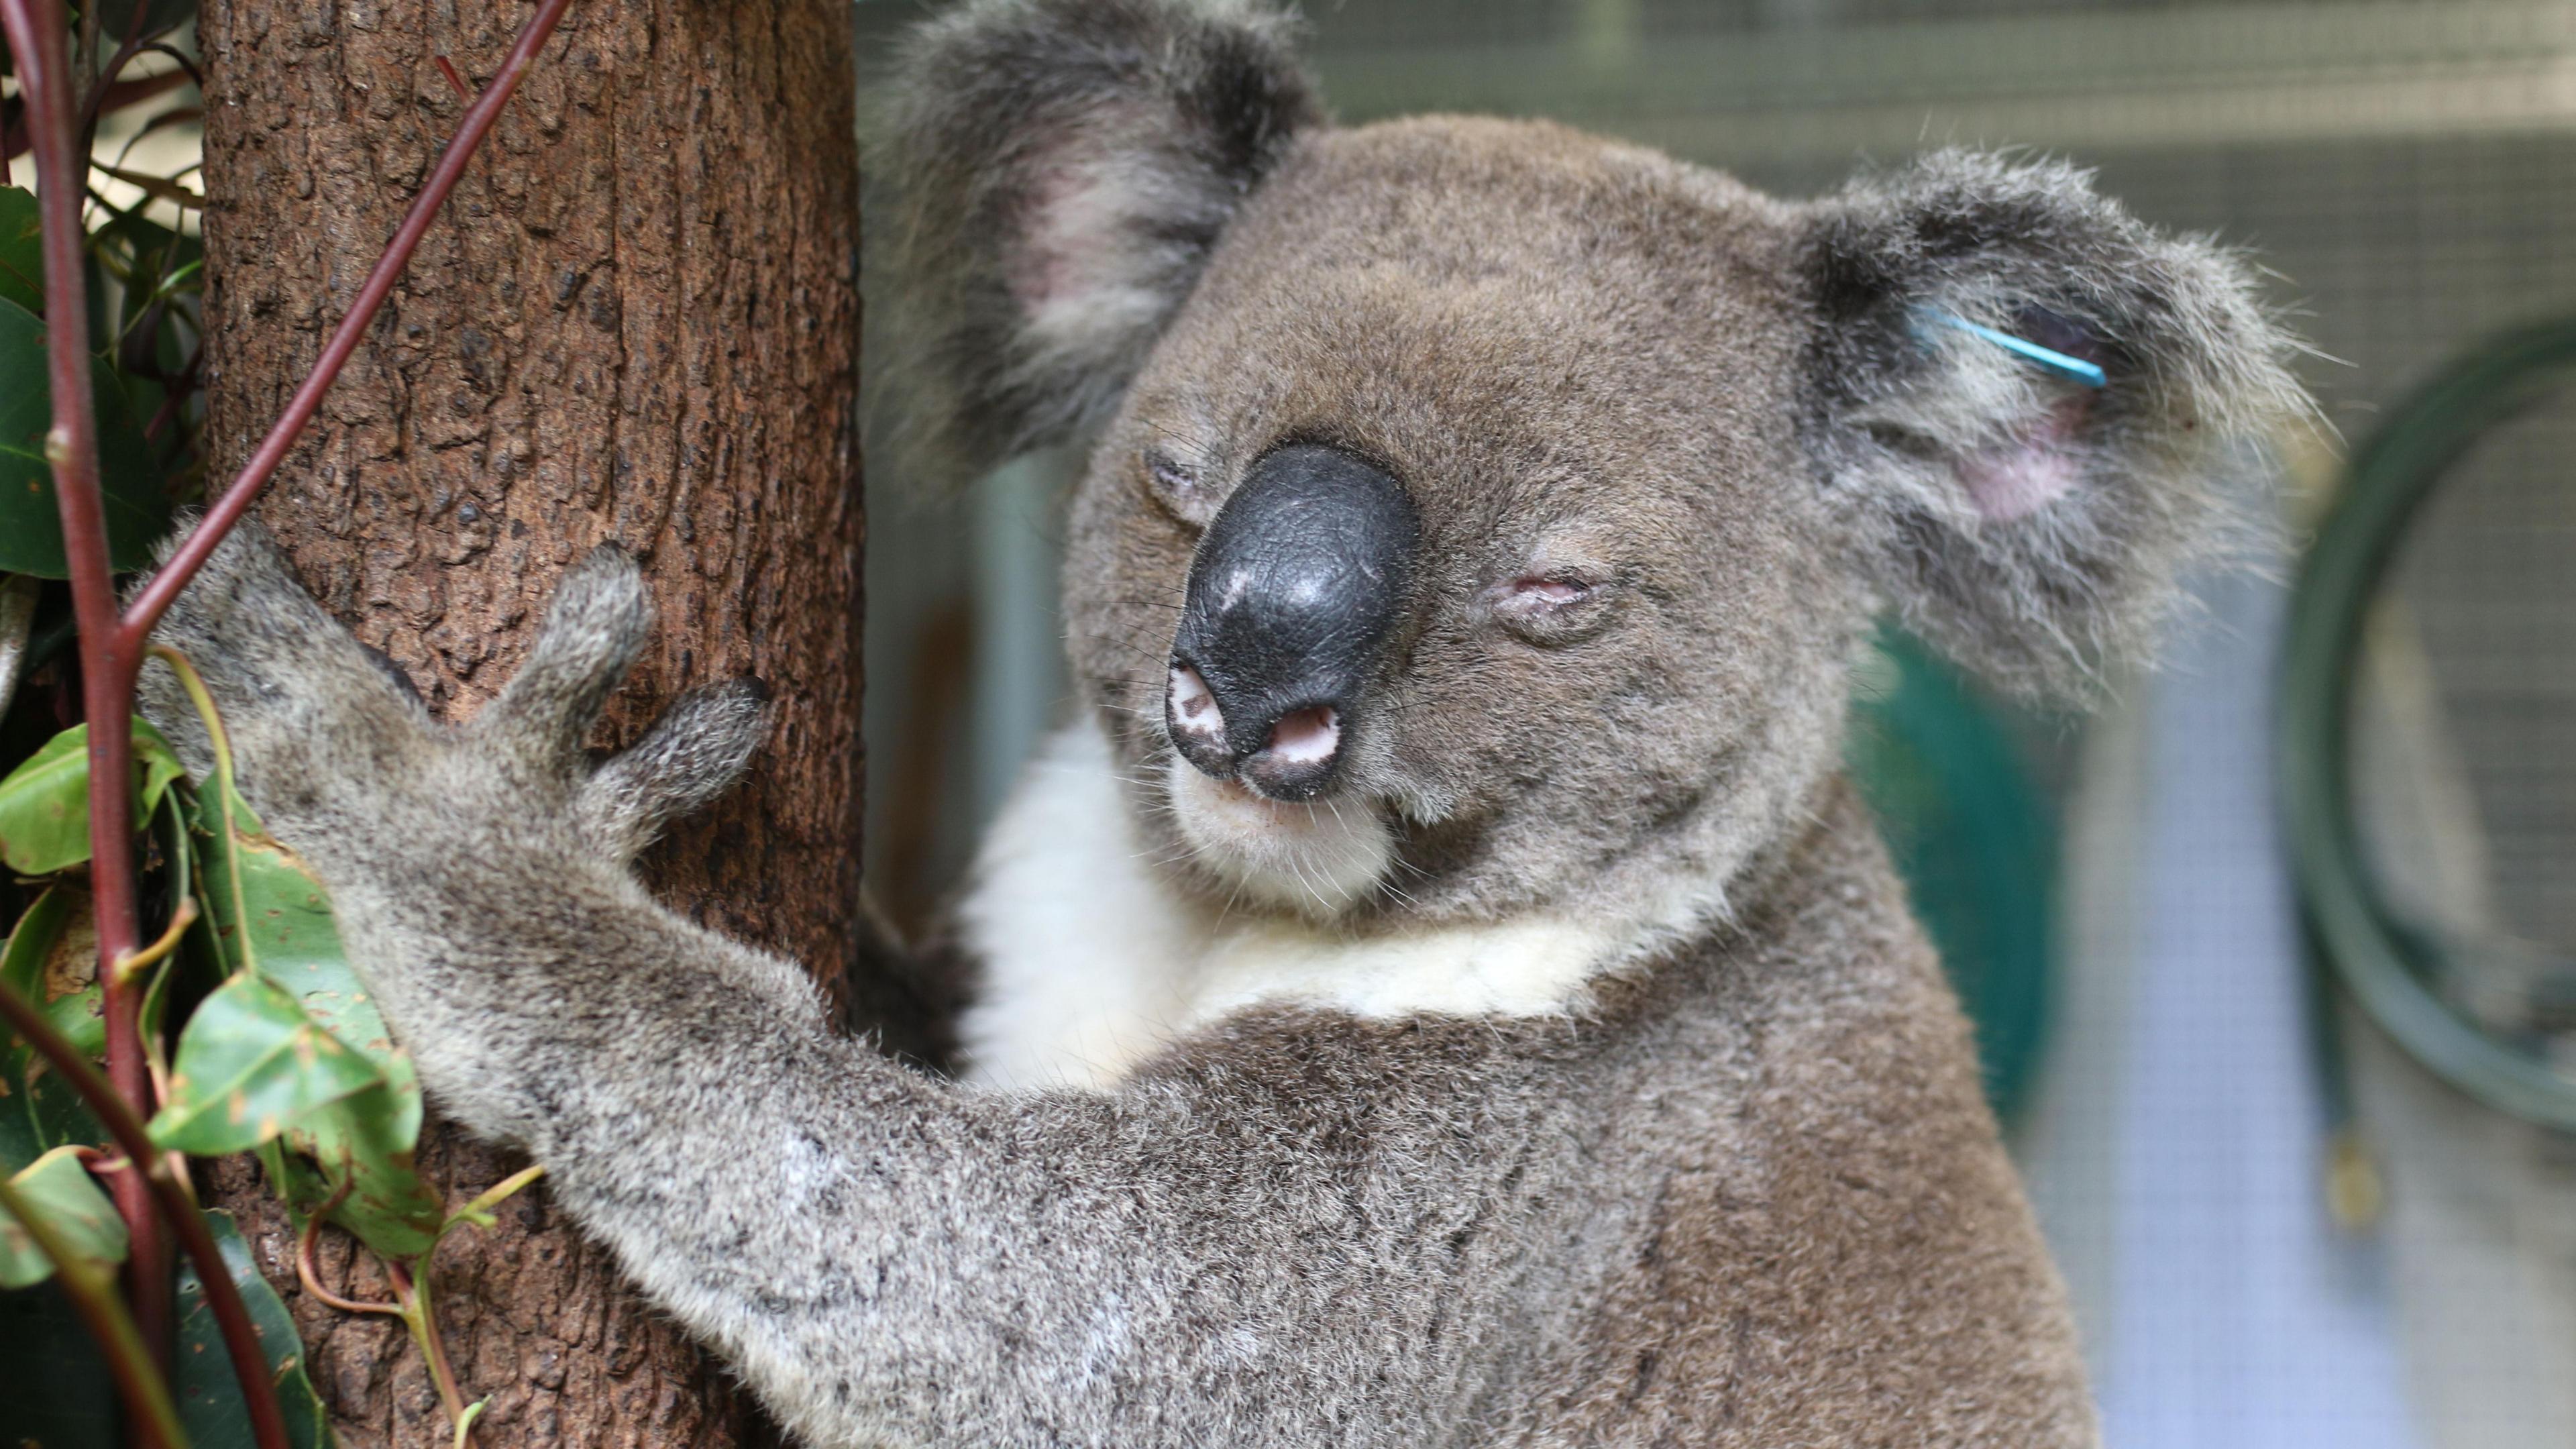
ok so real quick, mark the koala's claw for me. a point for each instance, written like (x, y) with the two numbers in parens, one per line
(693, 754)
(594, 629)
(313, 713)
(294, 689)
(597, 625)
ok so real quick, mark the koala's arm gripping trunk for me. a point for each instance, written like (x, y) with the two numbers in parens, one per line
(801, 1201)
(889, 1257)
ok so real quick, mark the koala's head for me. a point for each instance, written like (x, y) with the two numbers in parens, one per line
(1483, 515)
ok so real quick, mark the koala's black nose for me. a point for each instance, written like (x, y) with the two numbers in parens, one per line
(1294, 589)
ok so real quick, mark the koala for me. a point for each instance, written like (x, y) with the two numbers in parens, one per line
(1440, 990)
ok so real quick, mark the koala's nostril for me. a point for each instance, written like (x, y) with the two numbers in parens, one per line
(1193, 707)
(1306, 736)
(1293, 589)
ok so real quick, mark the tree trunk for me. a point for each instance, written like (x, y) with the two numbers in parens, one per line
(637, 320)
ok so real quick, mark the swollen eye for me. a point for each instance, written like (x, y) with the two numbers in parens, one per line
(1550, 593)
(1538, 596)
(1549, 608)
(1176, 486)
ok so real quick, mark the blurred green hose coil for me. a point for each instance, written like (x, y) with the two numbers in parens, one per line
(2386, 966)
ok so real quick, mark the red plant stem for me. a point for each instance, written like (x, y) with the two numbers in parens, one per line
(112, 648)
(150, 1166)
(308, 1272)
(37, 38)
(455, 82)
(148, 606)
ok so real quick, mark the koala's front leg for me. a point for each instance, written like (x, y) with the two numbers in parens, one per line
(479, 875)
(886, 1256)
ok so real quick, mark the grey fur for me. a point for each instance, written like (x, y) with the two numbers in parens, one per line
(1171, 113)
(2196, 363)
(1743, 1193)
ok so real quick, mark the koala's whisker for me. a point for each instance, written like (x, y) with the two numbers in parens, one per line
(1159, 660)
(1311, 888)
(1420, 871)
(1135, 648)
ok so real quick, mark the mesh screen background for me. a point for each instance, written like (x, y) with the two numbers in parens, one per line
(2408, 169)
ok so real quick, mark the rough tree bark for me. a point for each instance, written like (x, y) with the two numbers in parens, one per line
(637, 321)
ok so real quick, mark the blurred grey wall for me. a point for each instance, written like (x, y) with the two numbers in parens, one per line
(2404, 167)
(2402, 164)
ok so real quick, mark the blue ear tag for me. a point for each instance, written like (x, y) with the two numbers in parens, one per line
(2074, 369)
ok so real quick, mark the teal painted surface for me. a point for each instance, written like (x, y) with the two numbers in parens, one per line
(1976, 840)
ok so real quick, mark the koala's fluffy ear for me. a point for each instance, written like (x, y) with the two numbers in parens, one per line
(1064, 168)
(2027, 522)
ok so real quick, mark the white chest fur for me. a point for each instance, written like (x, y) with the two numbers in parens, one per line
(1092, 963)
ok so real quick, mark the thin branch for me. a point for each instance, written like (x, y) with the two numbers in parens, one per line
(479, 1211)
(465, 1423)
(186, 63)
(308, 1270)
(182, 916)
(102, 77)
(93, 1296)
(175, 392)
(422, 1319)
(148, 606)
(37, 42)
(308, 1273)
(110, 95)
(178, 1210)
(160, 188)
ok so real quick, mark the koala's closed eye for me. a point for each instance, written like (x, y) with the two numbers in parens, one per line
(1177, 488)
(1553, 605)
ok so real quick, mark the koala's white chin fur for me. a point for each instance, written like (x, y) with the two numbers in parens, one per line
(1092, 962)
(1315, 858)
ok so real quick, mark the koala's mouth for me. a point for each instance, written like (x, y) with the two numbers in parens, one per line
(1292, 594)
(1318, 857)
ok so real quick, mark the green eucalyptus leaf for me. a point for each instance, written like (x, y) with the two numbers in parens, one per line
(271, 915)
(130, 484)
(59, 1189)
(202, 1381)
(44, 807)
(44, 803)
(159, 767)
(361, 1151)
(268, 914)
(38, 1110)
(57, 969)
(249, 1062)
(22, 251)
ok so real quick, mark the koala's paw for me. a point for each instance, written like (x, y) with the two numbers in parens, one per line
(303, 704)
(326, 736)
(693, 754)
(593, 631)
